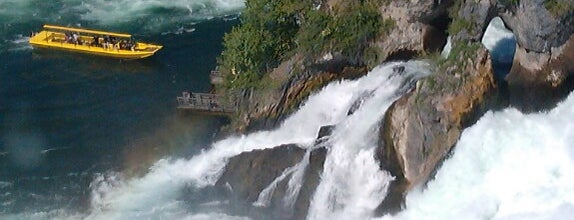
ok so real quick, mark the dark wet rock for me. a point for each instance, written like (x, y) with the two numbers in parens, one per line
(311, 180)
(543, 59)
(400, 69)
(474, 16)
(266, 109)
(536, 28)
(324, 134)
(359, 102)
(247, 174)
(420, 26)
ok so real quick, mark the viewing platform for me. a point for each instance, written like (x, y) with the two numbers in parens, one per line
(203, 103)
(216, 77)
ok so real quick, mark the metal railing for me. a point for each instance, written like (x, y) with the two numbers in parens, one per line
(203, 102)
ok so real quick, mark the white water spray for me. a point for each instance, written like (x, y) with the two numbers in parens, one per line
(264, 198)
(150, 16)
(296, 173)
(509, 165)
(156, 195)
(295, 183)
(499, 41)
(352, 185)
(112, 12)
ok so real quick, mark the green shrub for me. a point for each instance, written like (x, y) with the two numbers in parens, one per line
(315, 33)
(272, 30)
(458, 23)
(265, 37)
(559, 8)
(347, 31)
(247, 51)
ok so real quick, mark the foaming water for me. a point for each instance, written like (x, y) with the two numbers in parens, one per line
(294, 185)
(352, 185)
(19, 43)
(22, 17)
(112, 12)
(509, 165)
(158, 193)
(499, 41)
(447, 47)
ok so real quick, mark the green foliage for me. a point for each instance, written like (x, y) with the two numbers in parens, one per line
(315, 33)
(272, 30)
(458, 23)
(247, 50)
(559, 8)
(435, 56)
(264, 38)
(348, 31)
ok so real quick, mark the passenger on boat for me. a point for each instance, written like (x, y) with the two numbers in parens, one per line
(68, 37)
(123, 44)
(131, 44)
(95, 41)
(106, 43)
(75, 38)
(113, 40)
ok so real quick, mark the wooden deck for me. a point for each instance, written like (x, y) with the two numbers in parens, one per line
(204, 103)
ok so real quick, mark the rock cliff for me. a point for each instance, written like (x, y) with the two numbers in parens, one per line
(421, 128)
(249, 173)
(544, 33)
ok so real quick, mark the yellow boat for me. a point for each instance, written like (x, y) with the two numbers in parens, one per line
(92, 42)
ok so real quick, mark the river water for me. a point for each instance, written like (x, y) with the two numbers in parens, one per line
(65, 117)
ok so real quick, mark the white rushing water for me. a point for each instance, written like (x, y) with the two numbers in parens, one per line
(508, 165)
(114, 12)
(294, 185)
(156, 195)
(352, 185)
(21, 17)
(499, 41)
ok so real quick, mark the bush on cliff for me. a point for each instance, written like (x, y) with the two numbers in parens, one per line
(263, 39)
(347, 31)
(273, 30)
(559, 8)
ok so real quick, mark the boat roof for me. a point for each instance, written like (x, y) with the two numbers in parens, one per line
(86, 31)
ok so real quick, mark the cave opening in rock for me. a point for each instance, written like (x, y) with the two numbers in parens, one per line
(402, 55)
(501, 43)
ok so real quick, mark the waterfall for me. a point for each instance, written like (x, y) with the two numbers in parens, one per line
(352, 185)
(294, 185)
(350, 167)
(509, 165)
(447, 47)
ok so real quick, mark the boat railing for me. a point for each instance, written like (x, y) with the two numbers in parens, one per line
(83, 41)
